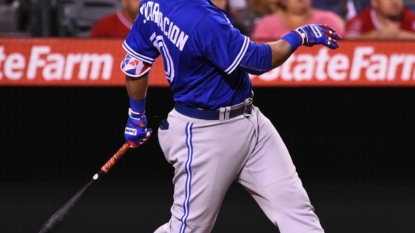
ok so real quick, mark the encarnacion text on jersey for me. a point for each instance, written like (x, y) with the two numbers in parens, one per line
(151, 12)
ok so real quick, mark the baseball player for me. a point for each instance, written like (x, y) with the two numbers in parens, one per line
(215, 135)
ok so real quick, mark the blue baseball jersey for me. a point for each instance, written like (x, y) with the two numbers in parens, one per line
(201, 51)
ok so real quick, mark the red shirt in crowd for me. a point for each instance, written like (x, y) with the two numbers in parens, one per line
(366, 21)
(115, 25)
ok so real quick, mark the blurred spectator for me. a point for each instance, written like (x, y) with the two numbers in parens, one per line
(346, 9)
(353, 7)
(386, 19)
(336, 6)
(118, 24)
(238, 5)
(246, 19)
(222, 4)
(230, 6)
(44, 19)
(24, 15)
(292, 14)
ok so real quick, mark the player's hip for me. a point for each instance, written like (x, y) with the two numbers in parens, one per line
(225, 113)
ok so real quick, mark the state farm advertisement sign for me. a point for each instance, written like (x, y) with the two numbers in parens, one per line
(93, 62)
(60, 62)
(353, 64)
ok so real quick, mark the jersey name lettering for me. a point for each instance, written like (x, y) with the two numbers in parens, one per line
(151, 12)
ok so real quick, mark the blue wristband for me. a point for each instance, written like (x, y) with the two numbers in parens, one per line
(293, 39)
(138, 105)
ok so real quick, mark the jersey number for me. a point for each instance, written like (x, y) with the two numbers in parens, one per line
(158, 42)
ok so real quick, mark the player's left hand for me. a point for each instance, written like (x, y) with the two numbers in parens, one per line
(136, 131)
(323, 34)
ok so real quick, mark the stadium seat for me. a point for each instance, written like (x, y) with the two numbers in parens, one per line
(8, 17)
(78, 16)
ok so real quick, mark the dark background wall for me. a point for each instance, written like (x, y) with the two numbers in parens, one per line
(354, 149)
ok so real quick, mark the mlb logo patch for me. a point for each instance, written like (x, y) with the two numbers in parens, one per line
(134, 67)
(130, 131)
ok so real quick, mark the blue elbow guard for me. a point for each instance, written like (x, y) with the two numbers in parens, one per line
(133, 67)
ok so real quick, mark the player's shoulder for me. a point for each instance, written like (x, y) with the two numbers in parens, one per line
(202, 15)
(195, 5)
(205, 8)
(183, 9)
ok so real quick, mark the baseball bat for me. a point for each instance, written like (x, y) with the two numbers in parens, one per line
(50, 225)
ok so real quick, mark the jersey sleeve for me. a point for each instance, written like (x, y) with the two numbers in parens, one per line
(138, 44)
(216, 39)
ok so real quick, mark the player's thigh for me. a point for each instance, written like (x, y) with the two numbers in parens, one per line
(207, 156)
(285, 202)
(270, 160)
(174, 136)
(271, 178)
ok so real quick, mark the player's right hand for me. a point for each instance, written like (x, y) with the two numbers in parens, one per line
(136, 131)
(323, 34)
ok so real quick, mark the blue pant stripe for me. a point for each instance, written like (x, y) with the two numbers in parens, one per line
(188, 189)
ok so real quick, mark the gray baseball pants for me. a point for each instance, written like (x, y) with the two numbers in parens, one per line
(208, 155)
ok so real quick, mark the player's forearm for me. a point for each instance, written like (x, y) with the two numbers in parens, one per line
(137, 87)
(260, 58)
(281, 51)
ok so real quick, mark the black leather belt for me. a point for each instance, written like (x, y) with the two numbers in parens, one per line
(223, 113)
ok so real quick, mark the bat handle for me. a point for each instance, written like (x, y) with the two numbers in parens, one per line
(114, 159)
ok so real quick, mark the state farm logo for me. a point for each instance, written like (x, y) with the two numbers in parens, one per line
(362, 63)
(55, 66)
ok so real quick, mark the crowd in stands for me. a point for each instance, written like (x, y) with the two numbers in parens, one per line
(258, 19)
(117, 24)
